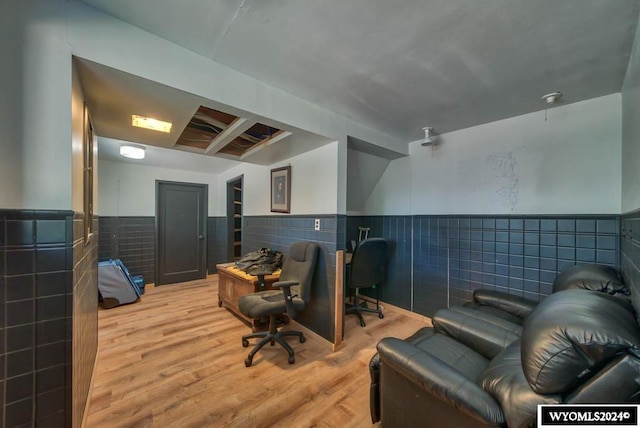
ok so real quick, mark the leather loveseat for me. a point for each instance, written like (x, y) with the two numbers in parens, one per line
(515, 309)
(576, 346)
(494, 319)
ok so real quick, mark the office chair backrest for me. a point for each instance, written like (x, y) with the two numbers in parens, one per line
(299, 266)
(368, 263)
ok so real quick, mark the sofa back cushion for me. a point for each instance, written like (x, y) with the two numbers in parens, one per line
(591, 277)
(571, 335)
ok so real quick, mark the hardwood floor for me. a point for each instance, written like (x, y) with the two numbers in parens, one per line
(175, 359)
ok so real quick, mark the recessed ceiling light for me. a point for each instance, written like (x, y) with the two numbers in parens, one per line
(150, 123)
(132, 152)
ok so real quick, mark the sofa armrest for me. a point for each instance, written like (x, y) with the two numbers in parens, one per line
(439, 380)
(484, 334)
(516, 305)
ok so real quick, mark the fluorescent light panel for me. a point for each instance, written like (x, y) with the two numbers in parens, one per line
(150, 123)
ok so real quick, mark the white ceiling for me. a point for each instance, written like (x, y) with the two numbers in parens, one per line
(400, 65)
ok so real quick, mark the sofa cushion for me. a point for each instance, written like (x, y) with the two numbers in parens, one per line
(571, 334)
(448, 350)
(478, 330)
(590, 277)
(504, 380)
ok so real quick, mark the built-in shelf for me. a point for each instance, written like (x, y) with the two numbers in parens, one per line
(234, 213)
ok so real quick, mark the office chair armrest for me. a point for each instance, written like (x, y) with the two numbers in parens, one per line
(284, 284)
(286, 289)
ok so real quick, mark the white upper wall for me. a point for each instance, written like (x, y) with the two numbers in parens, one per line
(568, 164)
(314, 181)
(11, 109)
(126, 189)
(363, 173)
(36, 106)
(631, 132)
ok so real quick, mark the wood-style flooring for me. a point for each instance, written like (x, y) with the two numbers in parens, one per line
(175, 359)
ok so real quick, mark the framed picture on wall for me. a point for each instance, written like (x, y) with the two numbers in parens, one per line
(281, 190)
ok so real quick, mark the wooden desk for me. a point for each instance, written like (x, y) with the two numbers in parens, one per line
(234, 283)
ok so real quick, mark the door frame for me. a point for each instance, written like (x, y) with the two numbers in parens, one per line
(204, 211)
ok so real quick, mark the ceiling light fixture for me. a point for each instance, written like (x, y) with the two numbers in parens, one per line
(549, 100)
(427, 140)
(552, 97)
(132, 152)
(150, 123)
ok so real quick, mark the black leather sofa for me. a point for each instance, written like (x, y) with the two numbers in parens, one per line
(473, 369)
(515, 309)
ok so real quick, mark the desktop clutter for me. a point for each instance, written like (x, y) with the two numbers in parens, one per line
(490, 362)
(265, 261)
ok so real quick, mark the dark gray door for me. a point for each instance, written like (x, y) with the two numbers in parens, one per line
(181, 225)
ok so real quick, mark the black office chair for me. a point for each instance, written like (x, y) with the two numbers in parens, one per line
(295, 284)
(367, 269)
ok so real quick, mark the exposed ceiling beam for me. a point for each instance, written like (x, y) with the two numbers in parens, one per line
(234, 130)
(266, 143)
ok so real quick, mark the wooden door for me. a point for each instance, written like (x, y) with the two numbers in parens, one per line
(181, 225)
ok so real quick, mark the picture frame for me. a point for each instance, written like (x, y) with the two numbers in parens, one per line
(281, 190)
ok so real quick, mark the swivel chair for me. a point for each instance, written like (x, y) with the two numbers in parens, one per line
(367, 269)
(294, 294)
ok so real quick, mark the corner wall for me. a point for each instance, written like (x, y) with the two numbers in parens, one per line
(506, 205)
(631, 173)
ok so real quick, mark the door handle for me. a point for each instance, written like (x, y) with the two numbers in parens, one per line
(200, 237)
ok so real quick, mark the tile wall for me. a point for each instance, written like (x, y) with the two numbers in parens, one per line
(41, 268)
(278, 233)
(439, 260)
(85, 318)
(630, 253)
(132, 240)
(216, 242)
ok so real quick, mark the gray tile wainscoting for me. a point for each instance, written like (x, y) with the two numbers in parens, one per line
(278, 233)
(438, 261)
(48, 331)
(630, 253)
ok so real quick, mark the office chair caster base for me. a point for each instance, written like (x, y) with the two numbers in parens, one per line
(248, 361)
(380, 315)
(362, 323)
(292, 359)
(302, 339)
(273, 342)
(245, 343)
